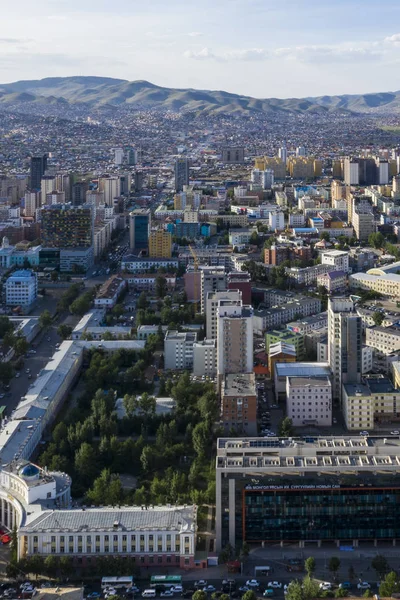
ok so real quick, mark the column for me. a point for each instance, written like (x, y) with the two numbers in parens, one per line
(232, 513)
(218, 512)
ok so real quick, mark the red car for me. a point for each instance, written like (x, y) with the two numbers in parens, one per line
(5, 539)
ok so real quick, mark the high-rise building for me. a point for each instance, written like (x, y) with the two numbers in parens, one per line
(351, 171)
(38, 168)
(131, 156)
(282, 153)
(139, 228)
(94, 197)
(32, 202)
(65, 226)
(111, 186)
(212, 302)
(21, 289)
(63, 184)
(213, 279)
(138, 181)
(263, 178)
(181, 173)
(160, 244)
(234, 337)
(301, 151)
(233, 154)
(344, 344)
(178, 350)
(363, 223)
(79, 190)
(47, 185)
(118, 156)
(55, 198)
(125, 184)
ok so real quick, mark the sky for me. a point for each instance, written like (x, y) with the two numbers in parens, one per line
(261, 48)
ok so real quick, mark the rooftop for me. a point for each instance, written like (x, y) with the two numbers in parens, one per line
(22, 274)
(132, 518)
(302, 369)
(309, 381)
(239, 385)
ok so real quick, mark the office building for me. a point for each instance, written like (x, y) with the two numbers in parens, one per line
(181, 173)
(282, 153)
(263, 179)
(32, 202)
(384, 340)
(139, 228)
(309, 324)
(47, 185)
(297, 369)
(338, 258)
(233, 154)
(280, 315)
(131, 156)
(178, 350)
(239, 403)
(301, 151)
(309, 401)
(38, 168)
(21, 289)
(387, 284)
(76, 260)
(344, 343)
(111, 186)
(333, 282)
(234, 337)
(205, 358)
(65, 226)
(277, 491)
(212, 279)
(160, 244)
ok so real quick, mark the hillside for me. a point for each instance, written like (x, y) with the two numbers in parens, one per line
(100, 91)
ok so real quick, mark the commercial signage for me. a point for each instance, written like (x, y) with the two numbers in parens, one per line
(252, 487)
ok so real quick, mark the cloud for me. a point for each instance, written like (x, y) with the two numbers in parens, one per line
(194, 34)
(305, 54)
(12, 41)
(249, 54)
(393, 39)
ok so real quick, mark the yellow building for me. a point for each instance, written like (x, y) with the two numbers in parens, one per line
(160, 244)
(259, 163)
(271, 162)
(301, 167)
(317, 168)
(392, 168)
(337, 169)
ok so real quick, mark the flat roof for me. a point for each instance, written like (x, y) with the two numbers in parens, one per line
(239, 385)
(302, 369)
(315, 381)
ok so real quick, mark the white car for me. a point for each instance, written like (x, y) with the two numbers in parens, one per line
(363, 585)
(252, 583)
(364, 433)
(395, 432)
(177, 589)
(275, 585)
(325, 586)
(200, 583)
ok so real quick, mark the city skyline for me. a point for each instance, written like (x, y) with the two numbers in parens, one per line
(299, 49)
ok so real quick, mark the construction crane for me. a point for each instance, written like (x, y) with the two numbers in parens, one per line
(195, 278)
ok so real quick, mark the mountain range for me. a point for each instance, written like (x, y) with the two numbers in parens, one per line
(105, 91)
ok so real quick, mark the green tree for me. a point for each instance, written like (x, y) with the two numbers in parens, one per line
(86, 463)
(35, 565)
(81, 305)
(199, 595)
(376, 240)
(5, 326)
(54, 275)
(6, 372)
(14, 545)
(380, 565)
(64, 331)
(325, 236)
(226, 554)
(294, 591)
(21, 345)
(340, 593)
(250, 595)
(378, 318)
(285, 428)
(45, 320)
(310, 566)
(389, 585)
(161, 286)
(367, 594)
(142, 302)
(51, 565)
(334, 565)
(310, 588)
(201, 439)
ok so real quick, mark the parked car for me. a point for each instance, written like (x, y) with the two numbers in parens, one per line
(200, 583)
(209, 589)
(275, 585)
(345, 585)
(325, 586)
(268, 592)
(253, 583)
(177, 589)
(363, 585)
(167, 594)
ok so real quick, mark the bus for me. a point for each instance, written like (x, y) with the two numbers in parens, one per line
(117, 582)
(165, 581)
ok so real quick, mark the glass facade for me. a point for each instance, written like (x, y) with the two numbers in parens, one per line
(330, 511)
(141, 231)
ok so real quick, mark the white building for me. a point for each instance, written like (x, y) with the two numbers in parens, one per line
(205, 358)
(384, 339)
(178, 350)
(351, 172)
(21, 289)
(212, 301)
(118, 156)
(108, 294)
(212, 279)
(337, 258)
(276, 220)
(296, 220)
(309, 401)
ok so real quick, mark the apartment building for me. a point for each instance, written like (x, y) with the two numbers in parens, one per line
(275, 317)
(234, 337)
(160, 244)
(309, 401)
(108, 294)
(287, 337)
(212, 279)
(212, 303)
(384, 339)
(178, 350)
(205, 358)
(387, 284)
(309, 324)
(364, 224)
(335, 281)
(308, 275)
(239, 402)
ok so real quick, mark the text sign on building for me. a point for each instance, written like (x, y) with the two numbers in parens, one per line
(292, 487)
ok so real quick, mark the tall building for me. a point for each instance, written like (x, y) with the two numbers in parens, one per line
(111, 186)
(139, 228)
(212, 279)
(181, 173)
(79, 190)
(32, 202)
(233, 154)
(38, 168)
(282, 153)
(65, 226)
(131, 156)
(63, 184)
(363, 223)
(239, 403)
(351, 171)
(118, 156)
(344, 344)
(178, 350)
(234, 337)
(47, 185)
(160, 244)
(301, 151)
(212, 302)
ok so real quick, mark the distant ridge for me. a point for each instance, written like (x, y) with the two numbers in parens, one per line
(106, 91)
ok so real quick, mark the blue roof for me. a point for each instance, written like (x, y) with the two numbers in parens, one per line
(22, 273)
(302, 369)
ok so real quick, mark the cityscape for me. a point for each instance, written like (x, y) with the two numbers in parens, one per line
(199, 323)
